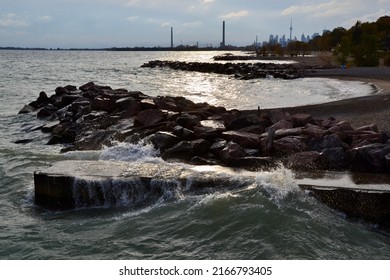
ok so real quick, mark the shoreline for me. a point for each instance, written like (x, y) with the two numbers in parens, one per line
(358, 111)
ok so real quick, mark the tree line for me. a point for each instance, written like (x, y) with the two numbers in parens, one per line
(364, 44)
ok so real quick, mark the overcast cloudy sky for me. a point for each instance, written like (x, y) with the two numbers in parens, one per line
(107, 23)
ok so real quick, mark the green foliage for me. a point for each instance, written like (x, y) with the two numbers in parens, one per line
(342, 51)
(386, 59)
(362, 43)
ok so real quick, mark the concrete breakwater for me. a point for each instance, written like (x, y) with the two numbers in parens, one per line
(243, 71)
(84, 184)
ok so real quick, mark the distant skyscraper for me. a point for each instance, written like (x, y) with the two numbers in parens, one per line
(291, 29)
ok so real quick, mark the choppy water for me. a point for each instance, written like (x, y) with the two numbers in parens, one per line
(270, 219)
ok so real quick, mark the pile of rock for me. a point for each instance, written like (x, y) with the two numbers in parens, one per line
(244, 71)
(92, 116)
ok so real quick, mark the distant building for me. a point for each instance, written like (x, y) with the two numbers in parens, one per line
(315, 35)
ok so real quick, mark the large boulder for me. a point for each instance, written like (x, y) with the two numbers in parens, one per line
(371, 158)
(244, 121)
(231, 152)
(307, 160)
(103, 104)
(327, 142)
(334, 159)
(244, 139)
(184, 133)
(301, 119)
(188, 121)
(163, 140)
(149, 117)
(289, 145)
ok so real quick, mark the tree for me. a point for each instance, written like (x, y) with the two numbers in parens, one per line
(343, 51)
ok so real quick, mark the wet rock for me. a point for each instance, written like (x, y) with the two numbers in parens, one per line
(218, 146)
(197, 160)
(23, 141)
(299, 120)
(327, 142)
(188, 121)
(130, 106)
(166, 103)
(68, 99)
(280, 133)
(253, 163)
(244, 139)
(334, 159)
(307, 160)
(61, 91)
(200, 146)
(26, 109)
(48, 128)
(89, 87)
(370, 127)
(163, 140)
(371, 158)
(92, 140)
(289, 145)
(207, 132)
(283, 124)
(103, 104)
(41, 101)
(231, 152)
(182, 150)
(359, 137)
(95, 115)
(184, 133)
(244, 121)
(279, 115)
(314, 131)
(47, 111)
(330, 122)
(149, 117)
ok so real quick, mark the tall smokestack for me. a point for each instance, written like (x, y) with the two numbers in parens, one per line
(171, 37)
(223, 34)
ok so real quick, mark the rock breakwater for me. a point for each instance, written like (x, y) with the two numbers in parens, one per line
(243, 71)
(93, 116)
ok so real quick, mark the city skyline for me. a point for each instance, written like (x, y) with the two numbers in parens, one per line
(135, 23)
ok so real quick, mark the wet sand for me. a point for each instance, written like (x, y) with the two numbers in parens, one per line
(360, 111)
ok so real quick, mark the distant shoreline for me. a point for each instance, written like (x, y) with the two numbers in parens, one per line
(134, 49)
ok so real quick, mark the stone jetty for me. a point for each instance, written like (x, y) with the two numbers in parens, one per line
(242, 71)
(93, 116)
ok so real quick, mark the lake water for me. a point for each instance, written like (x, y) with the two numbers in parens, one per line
(269, 219)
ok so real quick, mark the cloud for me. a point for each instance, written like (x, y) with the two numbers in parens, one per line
(133, 2)
(327, 9)
(12, 20)
(193, 24)
(165, 24)
(44, 18)
(366, 18)
(240, 14)
(131, 19)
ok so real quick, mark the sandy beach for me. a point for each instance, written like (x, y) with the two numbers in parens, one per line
(358, 111)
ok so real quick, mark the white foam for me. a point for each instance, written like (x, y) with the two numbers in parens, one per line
(131, 153)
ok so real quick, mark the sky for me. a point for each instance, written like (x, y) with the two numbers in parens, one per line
(131, 23)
